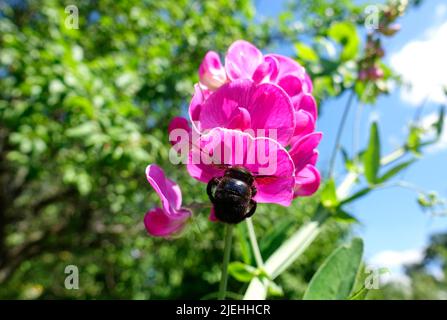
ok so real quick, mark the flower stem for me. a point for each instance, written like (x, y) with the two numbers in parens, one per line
(226, 260)
(254, 243)
(341, 126)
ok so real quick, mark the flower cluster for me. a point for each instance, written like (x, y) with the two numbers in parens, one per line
(369, 64)
(257, 112)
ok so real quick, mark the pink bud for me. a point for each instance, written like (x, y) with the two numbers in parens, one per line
(211, 72)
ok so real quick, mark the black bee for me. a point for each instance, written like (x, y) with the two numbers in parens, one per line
(232, 195)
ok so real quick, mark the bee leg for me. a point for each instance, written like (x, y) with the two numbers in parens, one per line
(252, 209)
(253, 191)
(209, 188)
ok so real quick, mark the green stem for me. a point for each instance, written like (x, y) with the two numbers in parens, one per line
(254, 243)
(226, 260)
(341, 126)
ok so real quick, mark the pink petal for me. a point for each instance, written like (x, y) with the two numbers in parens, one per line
(160, 223)
(272, 110)
(306, 102)
(263, 157)
(211, 72)
(266, 71)
(269, 107)
(180, 129)
(288, 66)
(240, 119)
(308, 87)
(200, 94)
(291, 84)
(305, 124)
(212, 217)
(307, 181)
(168, 191)
(242, 59)
(303, 151)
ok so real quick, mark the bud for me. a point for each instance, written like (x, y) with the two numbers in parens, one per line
(390, 30)
(211, 72)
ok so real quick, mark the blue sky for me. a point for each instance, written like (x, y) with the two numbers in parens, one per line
(394, 228)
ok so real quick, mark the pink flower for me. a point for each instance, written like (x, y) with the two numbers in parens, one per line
(372, 73)
(270, 164)
(171, 217)
(243, 114)
(244, 61)
(244, 105)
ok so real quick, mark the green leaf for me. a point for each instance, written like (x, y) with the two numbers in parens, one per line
(439, 125)
(343, 216)
(414, 140)
(360, 291)
(349, 164)
(356, 195)
(305, 52)
(244, 243)
(345, 33)
(329, 195)
(336, 277)
(241, 271)
(363, 284)
(395, 170)
(371, 158)
(274, 289)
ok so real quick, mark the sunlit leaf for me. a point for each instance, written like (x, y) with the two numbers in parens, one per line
(241, 271)
(329, 195)
(345, 33)
(305, 52)
(395, 170)
(336, 277)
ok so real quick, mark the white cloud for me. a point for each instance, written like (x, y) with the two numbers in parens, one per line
(394, 261)
(423, 64)
(441, 10)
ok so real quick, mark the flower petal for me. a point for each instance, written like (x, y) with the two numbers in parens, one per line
(303, 151)
(288, 66)
(305, 124)
(240, 119)
(306, 102)
(160, 223)
(307, 181)
(200, 94)
(291, 84)
(211, 72)
(242, 59)
(179, 123)
(212, 217)
(270, 109)
(267, 71)
(168, 191)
